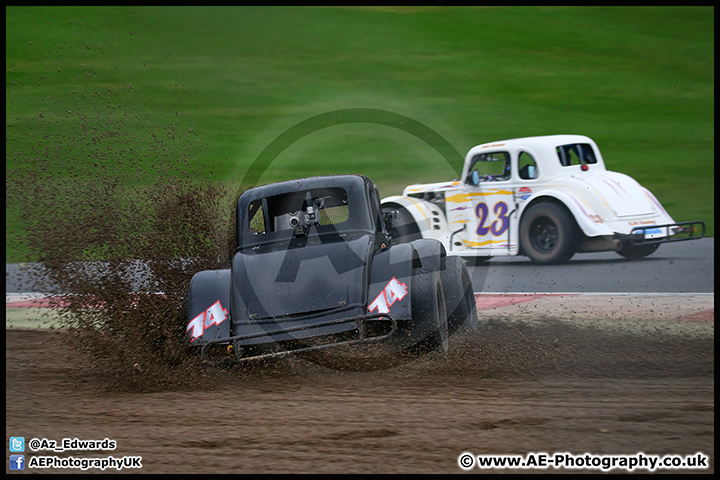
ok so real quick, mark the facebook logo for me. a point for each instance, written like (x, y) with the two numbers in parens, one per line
(17, 444)
(17, 462)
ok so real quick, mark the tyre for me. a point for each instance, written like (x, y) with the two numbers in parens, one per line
(629, 250)
(459, 296)
(429, 330)
(548, 234)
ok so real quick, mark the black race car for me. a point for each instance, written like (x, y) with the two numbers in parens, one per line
(315, 270)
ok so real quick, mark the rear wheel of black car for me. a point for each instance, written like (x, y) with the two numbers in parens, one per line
(429, 331)
(459, 296)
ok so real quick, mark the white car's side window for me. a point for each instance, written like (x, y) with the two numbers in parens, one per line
(575, 154)
(527, 166)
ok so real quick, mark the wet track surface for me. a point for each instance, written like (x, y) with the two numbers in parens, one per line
(523, 383)
(602, 373)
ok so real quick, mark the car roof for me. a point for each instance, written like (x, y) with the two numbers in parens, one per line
(349, 182)
(542, 141)
(544, 146)
(355, 186)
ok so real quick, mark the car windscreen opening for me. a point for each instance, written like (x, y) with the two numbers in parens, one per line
(321, 207)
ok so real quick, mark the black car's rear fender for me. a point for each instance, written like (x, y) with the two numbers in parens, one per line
(429, 253)
(209, 312)
(390, 282)
(392, 275)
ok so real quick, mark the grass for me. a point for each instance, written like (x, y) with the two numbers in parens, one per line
(220, 84)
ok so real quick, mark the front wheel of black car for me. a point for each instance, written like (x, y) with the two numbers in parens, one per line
(459, 296)
(429, 331)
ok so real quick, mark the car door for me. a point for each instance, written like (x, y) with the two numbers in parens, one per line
(490, 192)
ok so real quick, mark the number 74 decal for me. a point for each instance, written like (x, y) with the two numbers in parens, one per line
(496, 227)
(214, 315)
(392, 292)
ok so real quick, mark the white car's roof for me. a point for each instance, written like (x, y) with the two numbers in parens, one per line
(545, 141)
(543, 149)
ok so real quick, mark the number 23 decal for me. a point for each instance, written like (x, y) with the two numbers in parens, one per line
(498, 226)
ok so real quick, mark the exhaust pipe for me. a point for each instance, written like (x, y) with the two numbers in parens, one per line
(600, 245)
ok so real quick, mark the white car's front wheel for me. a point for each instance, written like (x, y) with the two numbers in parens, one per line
(548, 234)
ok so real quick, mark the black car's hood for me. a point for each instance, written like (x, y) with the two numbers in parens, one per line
(302, 276)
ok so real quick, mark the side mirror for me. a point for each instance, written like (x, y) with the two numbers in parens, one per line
(473, 178)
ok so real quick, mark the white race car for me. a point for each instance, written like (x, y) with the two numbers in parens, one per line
(545, 197)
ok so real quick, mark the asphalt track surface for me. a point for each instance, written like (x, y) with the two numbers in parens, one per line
(682, 267)
(602, 357)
